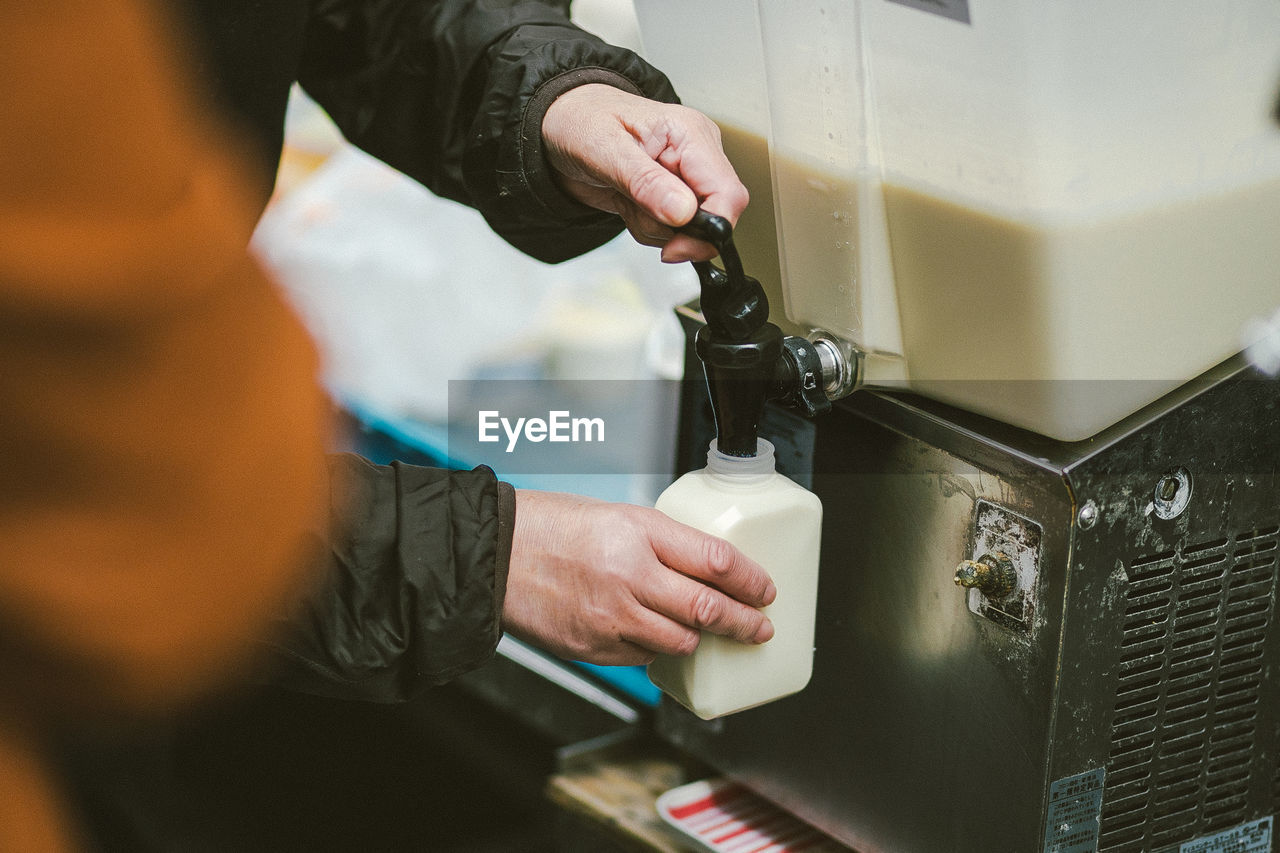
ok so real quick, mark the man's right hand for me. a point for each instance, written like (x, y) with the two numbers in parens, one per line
(653, 164)
(617, 584)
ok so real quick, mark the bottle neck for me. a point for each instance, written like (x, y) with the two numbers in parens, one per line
(741, 470)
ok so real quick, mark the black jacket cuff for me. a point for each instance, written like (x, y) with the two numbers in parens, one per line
(502, 556)
(537, 170)
(504, 166)
(409, 590)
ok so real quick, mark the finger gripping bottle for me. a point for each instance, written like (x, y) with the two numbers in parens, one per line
(744, 500)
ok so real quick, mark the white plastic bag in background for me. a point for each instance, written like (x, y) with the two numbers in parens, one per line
(406, 291)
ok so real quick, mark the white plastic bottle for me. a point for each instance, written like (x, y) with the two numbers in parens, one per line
(778, 524)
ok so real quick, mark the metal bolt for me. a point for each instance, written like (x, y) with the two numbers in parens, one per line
(993, 574)
(1088, 515)
(1172, 494)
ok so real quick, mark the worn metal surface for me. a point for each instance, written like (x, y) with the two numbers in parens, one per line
(929, 726)
(915, 701)
(1170, 653)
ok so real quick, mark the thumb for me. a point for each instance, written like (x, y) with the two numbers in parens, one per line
(657, 191)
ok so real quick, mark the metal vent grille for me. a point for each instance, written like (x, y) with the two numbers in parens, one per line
(1275, 781)
(1186, 707)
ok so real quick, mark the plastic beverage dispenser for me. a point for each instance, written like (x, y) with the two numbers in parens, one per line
(1047, 213)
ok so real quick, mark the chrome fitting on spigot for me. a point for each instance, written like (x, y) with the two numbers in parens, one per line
(841, 364)
(814, 371)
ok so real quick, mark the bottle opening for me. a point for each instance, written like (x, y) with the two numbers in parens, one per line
(741, 466)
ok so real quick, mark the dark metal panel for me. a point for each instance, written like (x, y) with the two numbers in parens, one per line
(1148, 668)
(925, 726)
(1169, 650)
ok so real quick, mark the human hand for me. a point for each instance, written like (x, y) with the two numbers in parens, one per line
(654, 164)
(617, 584)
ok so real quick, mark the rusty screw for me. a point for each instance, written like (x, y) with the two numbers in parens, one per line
(992, 573)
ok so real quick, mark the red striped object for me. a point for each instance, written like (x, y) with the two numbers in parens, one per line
(724, 817)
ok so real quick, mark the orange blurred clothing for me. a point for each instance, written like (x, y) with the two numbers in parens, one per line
(161, 429)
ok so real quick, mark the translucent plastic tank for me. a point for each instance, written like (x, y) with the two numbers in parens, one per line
(1049, 213)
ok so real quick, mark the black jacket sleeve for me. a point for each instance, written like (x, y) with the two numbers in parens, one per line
(452, 93)
(411, 587)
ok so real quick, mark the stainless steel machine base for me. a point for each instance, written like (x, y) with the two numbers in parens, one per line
(1124, 698)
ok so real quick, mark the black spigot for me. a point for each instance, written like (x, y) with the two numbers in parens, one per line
(741, 350)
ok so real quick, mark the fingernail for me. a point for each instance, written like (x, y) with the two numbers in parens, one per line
(675, 207)
(764, 633)
(770, 593)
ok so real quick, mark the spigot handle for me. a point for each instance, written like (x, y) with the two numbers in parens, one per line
(708, 227)
(718, 231)
(734, 304)
(739, 347)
